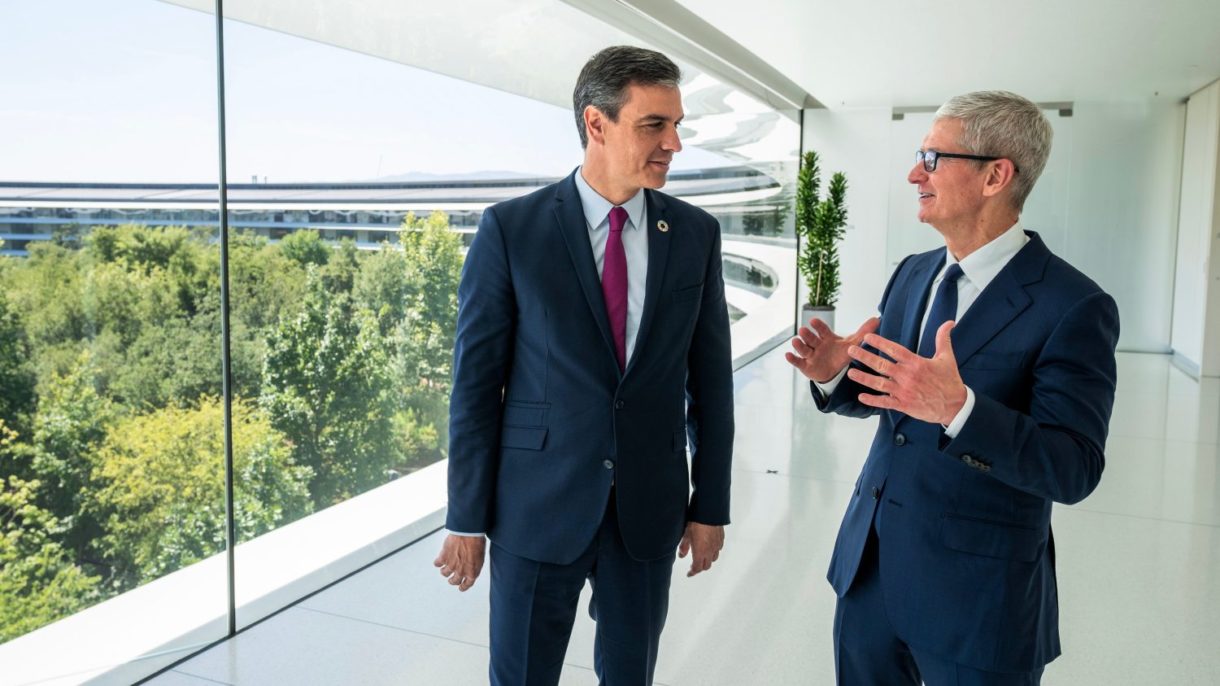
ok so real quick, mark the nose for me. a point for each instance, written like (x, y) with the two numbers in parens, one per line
(672, 142)
(918, 174)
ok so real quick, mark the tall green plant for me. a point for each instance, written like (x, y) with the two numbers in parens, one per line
(819, 223)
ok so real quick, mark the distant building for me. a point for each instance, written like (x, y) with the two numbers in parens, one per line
(746, 200)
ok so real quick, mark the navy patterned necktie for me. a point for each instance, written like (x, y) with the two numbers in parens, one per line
(944, 308)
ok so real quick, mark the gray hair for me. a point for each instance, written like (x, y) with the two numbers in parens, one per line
(1004, 124)
(605, 77)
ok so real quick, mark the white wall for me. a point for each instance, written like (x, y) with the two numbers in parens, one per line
(1107, 203)
(1196, 302)
(857, 144)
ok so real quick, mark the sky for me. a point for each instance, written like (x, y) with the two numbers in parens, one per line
(125, 91)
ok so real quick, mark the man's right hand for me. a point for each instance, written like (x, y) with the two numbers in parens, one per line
(461, 559)
(820, 354)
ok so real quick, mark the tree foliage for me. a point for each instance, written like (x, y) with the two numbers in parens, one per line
(39, 582)
(111, 441)
(160, 487)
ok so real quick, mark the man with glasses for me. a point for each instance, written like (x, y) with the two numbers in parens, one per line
(992, 369)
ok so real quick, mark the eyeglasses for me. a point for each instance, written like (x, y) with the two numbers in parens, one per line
(930, 158)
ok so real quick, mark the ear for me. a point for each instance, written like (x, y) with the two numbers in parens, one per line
(999, 177)
(595, 125)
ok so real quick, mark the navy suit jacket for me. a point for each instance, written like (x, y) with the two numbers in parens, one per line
(542, 421)
(967, 555)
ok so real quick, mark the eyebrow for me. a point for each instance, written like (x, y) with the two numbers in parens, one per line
(649, 118)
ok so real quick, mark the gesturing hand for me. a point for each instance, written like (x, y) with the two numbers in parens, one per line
(926, 388)
(820, 354)
(703, 542)
(461, 560)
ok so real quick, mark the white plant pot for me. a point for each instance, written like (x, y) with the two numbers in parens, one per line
(826, 314)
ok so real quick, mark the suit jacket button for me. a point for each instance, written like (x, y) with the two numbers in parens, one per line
(900, 440)
(967, 459)
(609, 464)
(876, 493)
(618, 404)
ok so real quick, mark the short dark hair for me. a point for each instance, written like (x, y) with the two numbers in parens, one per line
(605, 77)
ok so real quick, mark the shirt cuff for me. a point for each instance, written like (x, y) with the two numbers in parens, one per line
(829, 387)
(462, 533)
(955, 426)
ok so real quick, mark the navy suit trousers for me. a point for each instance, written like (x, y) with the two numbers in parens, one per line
(533, 607)
(869, 652)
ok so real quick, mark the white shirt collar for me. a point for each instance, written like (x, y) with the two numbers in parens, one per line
(597, 209)
(982, 265)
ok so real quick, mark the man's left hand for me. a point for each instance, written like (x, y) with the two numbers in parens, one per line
(926, 388)
(703, 542)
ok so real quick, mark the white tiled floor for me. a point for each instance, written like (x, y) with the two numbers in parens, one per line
(1139, 566)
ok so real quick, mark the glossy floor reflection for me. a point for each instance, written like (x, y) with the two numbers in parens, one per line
(1139, 566)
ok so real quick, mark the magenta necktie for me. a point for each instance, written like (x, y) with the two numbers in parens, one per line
(614, 284)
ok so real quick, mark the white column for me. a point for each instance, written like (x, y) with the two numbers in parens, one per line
(1196, 302)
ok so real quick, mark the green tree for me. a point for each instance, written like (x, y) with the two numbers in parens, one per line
(38, 581)
(184, 262)
(71, 422)
(339, 272)
(160, 494)
(411, 289)
(305, 247)
(327, 389)
(426, 335)
(16, 376)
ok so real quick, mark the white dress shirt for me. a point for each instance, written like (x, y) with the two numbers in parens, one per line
(635, 245)
(979, 268)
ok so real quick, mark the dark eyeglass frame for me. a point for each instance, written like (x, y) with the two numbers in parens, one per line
(930, 157)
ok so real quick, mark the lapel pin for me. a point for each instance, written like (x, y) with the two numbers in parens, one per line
(663, 226)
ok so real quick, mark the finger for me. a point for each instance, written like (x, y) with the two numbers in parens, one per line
(809, 338)
(684, 546)
(871, 360)
(801, 348)
(877, 383)
(794, 360)
(822, 329)
(944, 342)
(869, 326)
(884, 402)
(715, 556)
(896, 351)
(456, 580)
(466, 584)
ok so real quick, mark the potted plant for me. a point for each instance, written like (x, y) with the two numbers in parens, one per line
(819, 226)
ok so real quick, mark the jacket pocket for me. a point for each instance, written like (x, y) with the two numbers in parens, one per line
(523, 437)
(992, 539)
(994, 361)
(525, 414)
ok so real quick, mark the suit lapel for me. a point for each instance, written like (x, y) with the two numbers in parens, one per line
(917, 301)
(569, 213)
(1001, 302)
(658, 256)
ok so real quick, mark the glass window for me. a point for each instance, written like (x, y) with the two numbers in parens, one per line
(111, 471)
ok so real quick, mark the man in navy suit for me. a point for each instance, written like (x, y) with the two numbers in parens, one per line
(992, 369)
(592, 343)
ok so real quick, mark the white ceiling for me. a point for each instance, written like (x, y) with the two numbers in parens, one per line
(912, 53)
(868, 53)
